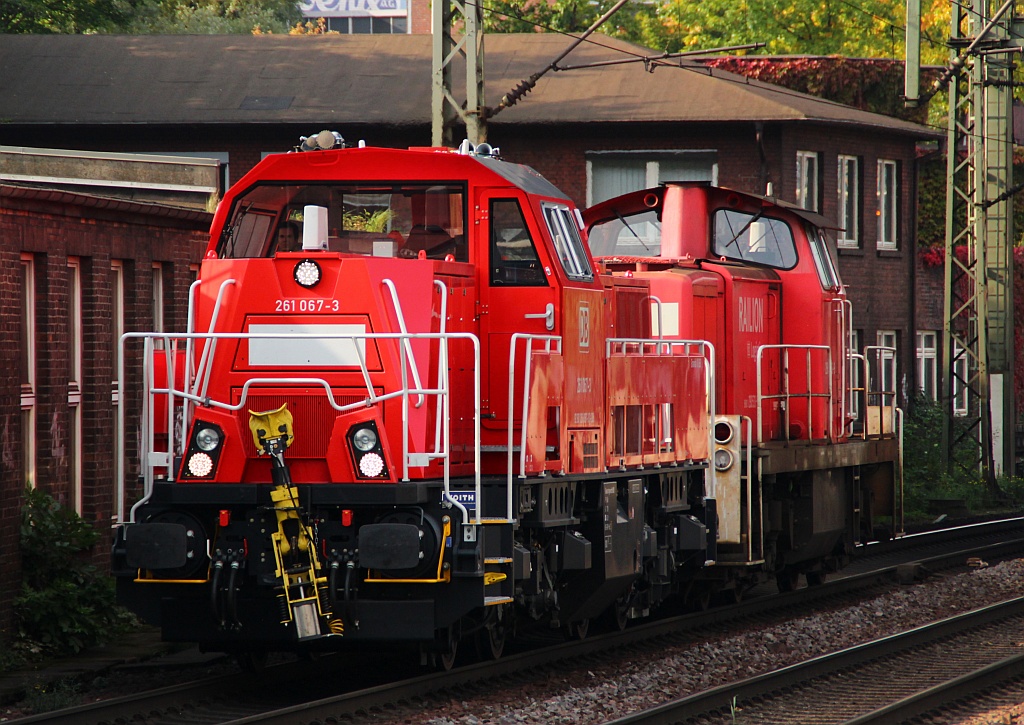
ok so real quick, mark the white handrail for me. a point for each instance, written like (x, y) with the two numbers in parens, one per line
(529, 339)
(881, 354)
(666, 348)
(404, 330)
(151, 458)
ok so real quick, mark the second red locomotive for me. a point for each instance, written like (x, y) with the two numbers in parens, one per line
(443, 415)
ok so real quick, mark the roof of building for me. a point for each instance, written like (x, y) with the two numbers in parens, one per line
(376, 79)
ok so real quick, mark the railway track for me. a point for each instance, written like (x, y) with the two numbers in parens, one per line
(317, 692)
(885, 681)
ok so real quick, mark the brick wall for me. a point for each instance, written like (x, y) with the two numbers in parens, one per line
(50, 227)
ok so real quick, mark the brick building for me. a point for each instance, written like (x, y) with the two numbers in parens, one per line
(81, 269)
(594, 131)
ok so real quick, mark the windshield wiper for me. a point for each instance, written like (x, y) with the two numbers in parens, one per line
(743, 229)
(626, 224)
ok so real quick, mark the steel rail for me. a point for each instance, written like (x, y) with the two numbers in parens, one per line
(736, 694)
(957, 689)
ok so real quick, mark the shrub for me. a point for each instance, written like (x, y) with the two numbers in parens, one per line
(924, 474)
(66, 604)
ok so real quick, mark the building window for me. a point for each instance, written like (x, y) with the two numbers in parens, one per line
(888, 198)
(158, 302)
(612, 173)
(74, 331)
(849, 202)
(807, 180)
(116, 324)
(379, 17)
(887, 364)
(856, 376)
(960, 387)
(926, 364)
(28, 369)
(116, 330)
(75, 342)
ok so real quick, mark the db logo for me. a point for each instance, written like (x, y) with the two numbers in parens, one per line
(584, 324)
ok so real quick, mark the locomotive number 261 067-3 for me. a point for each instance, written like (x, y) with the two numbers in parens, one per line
(301, 305)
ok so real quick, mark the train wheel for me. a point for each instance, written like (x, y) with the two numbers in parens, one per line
(578, 629)
(816, 578)
(788, 579)
(618, 615)
(490, 640)
(446, 656)
(251, 661)
(698, 598)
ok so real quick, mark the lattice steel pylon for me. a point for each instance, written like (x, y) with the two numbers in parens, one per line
(978, 330)
(450, 51)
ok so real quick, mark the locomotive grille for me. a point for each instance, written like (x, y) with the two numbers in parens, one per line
(312, 420)
(590, 459)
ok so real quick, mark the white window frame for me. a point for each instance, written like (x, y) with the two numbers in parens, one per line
(75, 335)
(808, 165)
(75, 345)
(888, 204)
(28, 387)
(158, 302)
(848, 190)
(117, 300)
(116, 324)
(960, 400)
(887, 360)
(856, 376)
(927, 363)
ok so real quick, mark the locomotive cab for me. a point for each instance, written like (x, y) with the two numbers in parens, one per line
(755, 277)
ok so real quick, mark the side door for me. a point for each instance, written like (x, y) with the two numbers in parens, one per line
(519, 293)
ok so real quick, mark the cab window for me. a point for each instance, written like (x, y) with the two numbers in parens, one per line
(631, 235)
(514, 260)
(379, 219)
(755, 238)
(568, 244)
(827, 274)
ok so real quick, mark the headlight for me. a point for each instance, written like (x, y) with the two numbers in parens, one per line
(307, 273)
(207, 439)
(371, 465)
(200, 465)
(723, 432)
(723, 459)
(364, 439)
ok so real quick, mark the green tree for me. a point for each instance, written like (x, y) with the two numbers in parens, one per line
(148, 16)
(566, 16)
(208, 17)
(867, 28)
(63, 16)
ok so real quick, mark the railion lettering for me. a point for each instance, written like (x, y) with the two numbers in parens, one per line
(751, 314)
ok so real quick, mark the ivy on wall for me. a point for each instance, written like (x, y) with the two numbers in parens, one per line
(870, 84)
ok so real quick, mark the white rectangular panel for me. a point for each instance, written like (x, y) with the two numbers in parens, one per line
(314, 350)
(669, 318)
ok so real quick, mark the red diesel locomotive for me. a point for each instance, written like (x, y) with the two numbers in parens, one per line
(439, 414)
